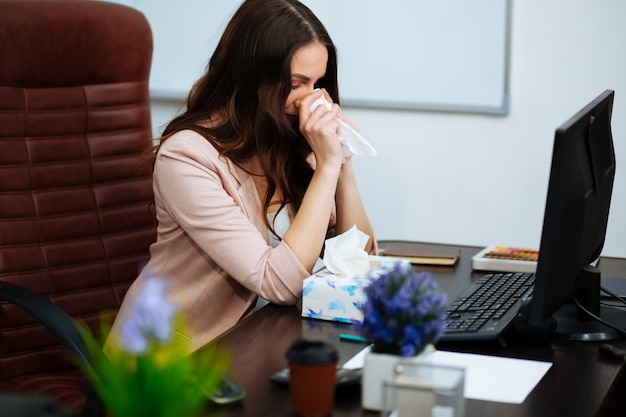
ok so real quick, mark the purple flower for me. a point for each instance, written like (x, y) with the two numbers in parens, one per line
(403, 311)
(149, 318)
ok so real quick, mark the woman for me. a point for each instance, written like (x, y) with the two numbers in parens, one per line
(249, 181)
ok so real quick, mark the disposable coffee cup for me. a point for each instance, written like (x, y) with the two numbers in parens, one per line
(312, 375)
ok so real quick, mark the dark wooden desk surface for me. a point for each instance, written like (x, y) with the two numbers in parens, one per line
(581, 381)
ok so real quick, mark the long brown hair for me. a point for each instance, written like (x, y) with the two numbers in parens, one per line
(247, 82)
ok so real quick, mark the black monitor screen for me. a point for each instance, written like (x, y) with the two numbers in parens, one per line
(567, 283)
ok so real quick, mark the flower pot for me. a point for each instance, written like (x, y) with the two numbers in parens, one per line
(379, 367)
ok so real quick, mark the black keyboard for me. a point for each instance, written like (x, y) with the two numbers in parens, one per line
(485, 309)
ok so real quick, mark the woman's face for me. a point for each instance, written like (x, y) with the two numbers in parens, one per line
(308, 66)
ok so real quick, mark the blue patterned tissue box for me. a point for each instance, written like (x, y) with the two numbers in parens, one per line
(328, 296)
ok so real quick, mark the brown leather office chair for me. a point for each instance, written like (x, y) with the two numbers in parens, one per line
(75, 207)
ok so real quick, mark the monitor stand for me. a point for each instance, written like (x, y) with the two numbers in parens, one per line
(575, 324)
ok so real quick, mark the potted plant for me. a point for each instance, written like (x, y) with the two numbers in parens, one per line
(403, 316)
(149, 369)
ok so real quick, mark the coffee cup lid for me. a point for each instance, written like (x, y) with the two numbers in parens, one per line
(312, 351)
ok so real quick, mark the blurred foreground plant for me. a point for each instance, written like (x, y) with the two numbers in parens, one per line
(149, 368)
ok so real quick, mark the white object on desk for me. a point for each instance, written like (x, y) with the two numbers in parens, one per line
(506, 259)
(414, 396)
(487, 378)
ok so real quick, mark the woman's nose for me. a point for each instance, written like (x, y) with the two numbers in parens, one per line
(304, 92)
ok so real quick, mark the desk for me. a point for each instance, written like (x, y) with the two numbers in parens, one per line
(581, 382)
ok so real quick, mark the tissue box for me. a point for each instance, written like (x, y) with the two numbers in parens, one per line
(327, 296)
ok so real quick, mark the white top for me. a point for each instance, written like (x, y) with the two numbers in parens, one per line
(280, 221)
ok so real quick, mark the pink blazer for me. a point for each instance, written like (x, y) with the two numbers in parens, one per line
(212, 243)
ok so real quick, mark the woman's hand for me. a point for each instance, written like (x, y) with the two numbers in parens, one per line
(320, 128)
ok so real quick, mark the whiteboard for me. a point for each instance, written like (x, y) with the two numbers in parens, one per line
(438, 55)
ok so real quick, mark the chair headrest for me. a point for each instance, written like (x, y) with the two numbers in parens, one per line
(61, 43)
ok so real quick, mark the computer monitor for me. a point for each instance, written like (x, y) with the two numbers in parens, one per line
(567, 284)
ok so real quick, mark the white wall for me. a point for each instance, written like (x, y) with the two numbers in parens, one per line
(480, 180)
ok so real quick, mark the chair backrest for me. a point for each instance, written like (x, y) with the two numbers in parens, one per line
(76, 219)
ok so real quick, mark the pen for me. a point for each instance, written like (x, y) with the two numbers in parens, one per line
(353, 338)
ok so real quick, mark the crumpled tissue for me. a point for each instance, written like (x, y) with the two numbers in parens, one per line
(344, 254)
(352, 142)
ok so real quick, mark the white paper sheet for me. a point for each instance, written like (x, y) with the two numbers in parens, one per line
(488, 378)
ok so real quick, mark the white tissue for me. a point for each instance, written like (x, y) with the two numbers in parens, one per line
(345, 254)
(351, 141)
